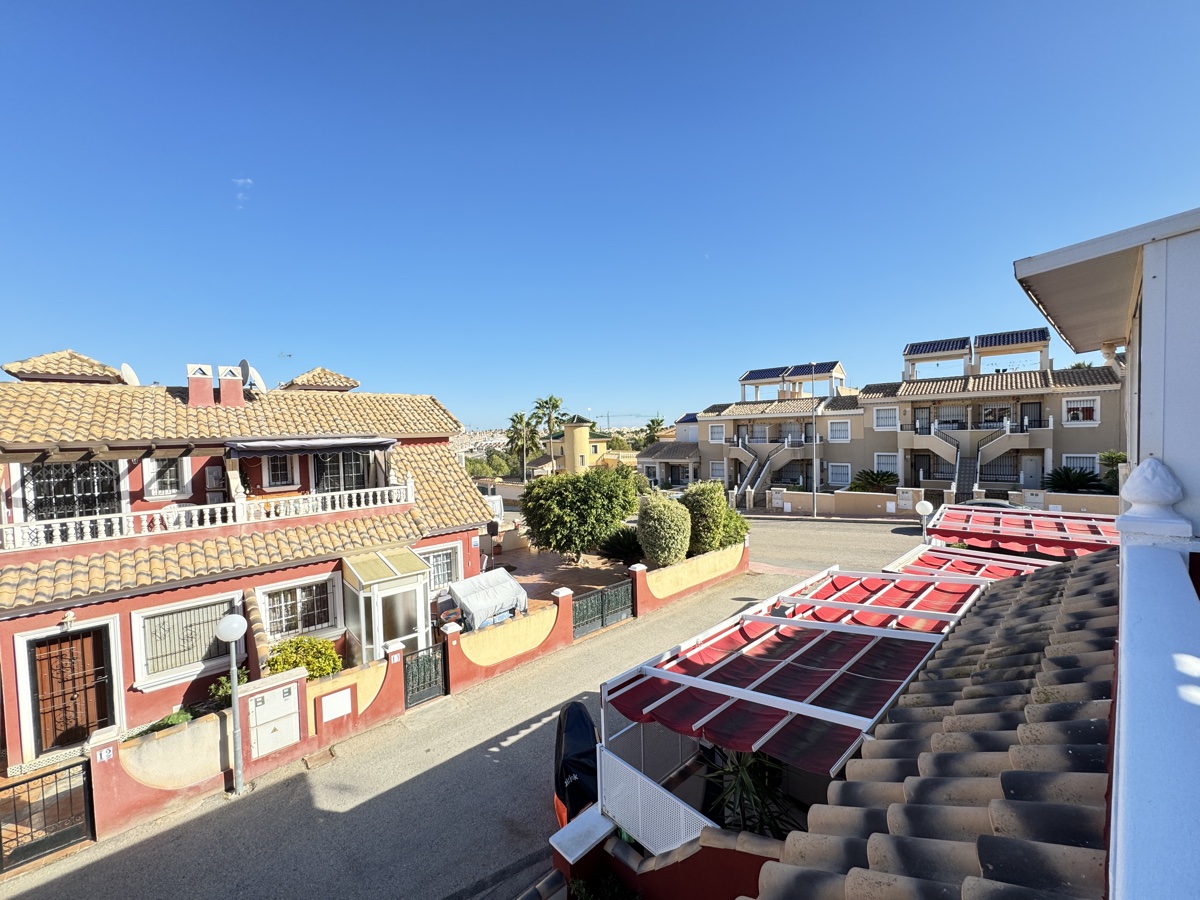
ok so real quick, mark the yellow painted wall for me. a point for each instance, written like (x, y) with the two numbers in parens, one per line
(177, 757)
(369, 679)
(690, 572)
(511, 638)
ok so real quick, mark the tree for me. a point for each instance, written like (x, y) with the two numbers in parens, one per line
(1110, 459)
(545, 411)
(499, 462)
(478, 468)
(706, 505)
(573, 513)
(616, 442)
(664, 530)
(874, 482)
(752, 796)
(1080, 365)
(653, 427)
(736, 528)
(1067, 480)
(522, 435)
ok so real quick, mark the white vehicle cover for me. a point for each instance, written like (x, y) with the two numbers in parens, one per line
(484, 597)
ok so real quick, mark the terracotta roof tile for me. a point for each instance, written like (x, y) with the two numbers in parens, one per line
(446, 498)
(841, 404)
(320, 379)
(38, 413)
(1096, 376)
(64, 364)
(799, 405)
(670, 450)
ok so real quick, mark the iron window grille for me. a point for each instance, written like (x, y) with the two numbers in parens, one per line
(279, 471)
(1088, 462)
(441, 568)
(887, 417)
(183, 637)
(839, 431)
(839, 473)
(295, 610)
(716, 470)
(887, 462)
(164, 477)
(71, 490)
(1081, 411)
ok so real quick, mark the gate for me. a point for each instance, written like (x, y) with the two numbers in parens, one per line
(44, 813)
(424, 675)
(597, 609)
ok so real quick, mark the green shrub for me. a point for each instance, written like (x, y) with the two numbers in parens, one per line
(571, 514)
(664, 530)
(735, 528)
(873, 481)
(1066, 480)
(1110, 459)
(176, 718)
(706, 505)
(318, 655)
(221, 692)
(622, 546)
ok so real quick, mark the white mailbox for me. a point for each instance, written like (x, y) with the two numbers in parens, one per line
(274, 720)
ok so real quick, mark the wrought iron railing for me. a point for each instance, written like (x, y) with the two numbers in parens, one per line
(949, 439)
(599, 609)
(45, 813)
(424, 675)
(1002, 468)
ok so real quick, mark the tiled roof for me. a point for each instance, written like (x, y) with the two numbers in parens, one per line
(798, 406)
(446, 497)
(796, 371)
(989, 778)
(1096, 376)
(1012, 338)
(320, 379)
(713, 410)
(50, 413)
(1037, 380)
(63, 364)
(1031, 380)
(670, 450)
(880, 391)
(575, 420)
(946, 345)
(841, 404)
(80, 577)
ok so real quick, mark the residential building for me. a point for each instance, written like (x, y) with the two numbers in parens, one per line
(576, 447)
(133, 517)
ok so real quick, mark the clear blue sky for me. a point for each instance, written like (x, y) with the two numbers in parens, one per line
(626, 204)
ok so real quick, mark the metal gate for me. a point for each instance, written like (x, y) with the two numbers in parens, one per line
(595, 610)
(424, 675)
(44, 813)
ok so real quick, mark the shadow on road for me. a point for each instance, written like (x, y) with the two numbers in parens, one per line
(914, 530)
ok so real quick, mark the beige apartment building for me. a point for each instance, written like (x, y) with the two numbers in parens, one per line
(985, 428)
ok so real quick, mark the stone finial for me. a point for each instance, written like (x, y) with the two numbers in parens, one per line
(1151, 491)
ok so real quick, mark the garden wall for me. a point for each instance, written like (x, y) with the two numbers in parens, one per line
(653, 590)
(1104, 504)
(801, 502)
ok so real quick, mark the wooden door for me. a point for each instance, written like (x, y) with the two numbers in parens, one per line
(72, 693)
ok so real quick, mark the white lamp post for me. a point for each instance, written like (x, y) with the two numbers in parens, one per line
(230, 629)
(924, 508)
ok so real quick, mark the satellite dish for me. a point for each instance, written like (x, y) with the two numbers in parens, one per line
(924, 507)
(256, 380)
(244, 365)
(128, 374)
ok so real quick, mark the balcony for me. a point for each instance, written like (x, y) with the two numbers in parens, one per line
(181, 518)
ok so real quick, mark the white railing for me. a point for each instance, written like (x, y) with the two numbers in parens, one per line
(655, 817)
(177, 517)
(317, 504)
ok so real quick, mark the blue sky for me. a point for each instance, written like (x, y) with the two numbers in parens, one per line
(626, 204)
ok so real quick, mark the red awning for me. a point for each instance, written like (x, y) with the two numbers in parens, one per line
(1024, 530)
(973, 563)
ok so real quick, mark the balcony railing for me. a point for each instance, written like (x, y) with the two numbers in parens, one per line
(188, 517)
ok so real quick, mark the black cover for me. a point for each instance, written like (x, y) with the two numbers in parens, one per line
(575, 760)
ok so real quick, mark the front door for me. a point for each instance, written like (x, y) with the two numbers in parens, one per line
(405, 617)
(72, 690)
(742, 431)
(1032, 470)
(921, 419)
(1032, 412)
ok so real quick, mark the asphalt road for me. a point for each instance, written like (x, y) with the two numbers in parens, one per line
(450, 801)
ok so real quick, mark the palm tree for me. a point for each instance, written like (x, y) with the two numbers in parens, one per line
(545, 409)
(1067, 480)
(1081, 365)
(522, 431)
(653, 427)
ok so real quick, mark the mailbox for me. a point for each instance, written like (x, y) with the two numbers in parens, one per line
(274, 720)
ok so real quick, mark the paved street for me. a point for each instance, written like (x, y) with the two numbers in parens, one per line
(451, 801)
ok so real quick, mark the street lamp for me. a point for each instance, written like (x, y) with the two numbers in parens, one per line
(816, 466)
(230, 629)
(924, 508)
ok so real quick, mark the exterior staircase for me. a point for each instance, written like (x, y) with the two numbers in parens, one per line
(964, 479)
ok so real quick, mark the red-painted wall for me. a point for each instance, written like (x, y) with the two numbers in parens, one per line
(253, 467)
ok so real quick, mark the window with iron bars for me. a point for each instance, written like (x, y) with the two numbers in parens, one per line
(280, 471)
(71, 490)
(183, 637)
(1002, 468)
(441, 567)
(164, 477)
(295, 610)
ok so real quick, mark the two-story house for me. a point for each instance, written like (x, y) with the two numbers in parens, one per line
(133, 517)
(576, 447)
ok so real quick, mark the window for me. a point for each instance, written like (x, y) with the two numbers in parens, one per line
(716, 434)
(758, 434)
(1085, 411)
(651, 471)
(345, 471)
(839, 431)
(991, 412)
(887, 418)
(166, 477)
(595, 449)
(716, 470)
(792, 432)
(443, 567)
(70, 490)
(1087, 461)
(582, 460)
(280, 471)
(177, 643)
(951, 417)
(887, 462)
(839, 473)
(299, 608)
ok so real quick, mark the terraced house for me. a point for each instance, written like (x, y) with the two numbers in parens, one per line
(977, 430)
(134, 517)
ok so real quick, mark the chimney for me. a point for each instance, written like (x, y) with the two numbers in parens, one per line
(231, 386)
(200, 384)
